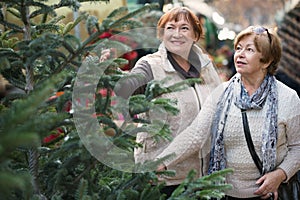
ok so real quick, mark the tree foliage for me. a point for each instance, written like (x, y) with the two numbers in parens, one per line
(42, 155)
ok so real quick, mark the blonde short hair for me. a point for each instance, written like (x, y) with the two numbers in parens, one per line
(267, 42)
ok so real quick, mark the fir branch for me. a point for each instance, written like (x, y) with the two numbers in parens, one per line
(69, 26)
(8, 52)
(85, 171)
(10, 97)
(56, 19)
(77, 52)
(12, 26)
(44, 9)
(53, 121)
(129, 24)
(73, 4)
(156, 88)
(143, 9)
(24, 108)
(17, 81)
(47, 27)
(82, 190)
(117, 13)
(50, 52)
(11, 140)
(152, 192)
(72, 40)
(9, 181)
(33, 168)
(14, 12)
(183, 84)
(206, 187)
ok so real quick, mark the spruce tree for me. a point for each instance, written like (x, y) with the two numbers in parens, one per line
(42, 154)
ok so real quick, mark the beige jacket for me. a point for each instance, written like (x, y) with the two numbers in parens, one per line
(189, 103)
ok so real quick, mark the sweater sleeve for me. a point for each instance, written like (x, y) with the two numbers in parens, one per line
(291, 163)
(193, 138)
(136, 79)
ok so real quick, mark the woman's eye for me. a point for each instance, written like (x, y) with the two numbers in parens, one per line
(169, 28)
(250, 49)
(238, 48)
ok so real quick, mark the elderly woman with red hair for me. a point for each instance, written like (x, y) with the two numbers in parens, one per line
(178, 58)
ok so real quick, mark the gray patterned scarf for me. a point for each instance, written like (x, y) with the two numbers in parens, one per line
(266, 95)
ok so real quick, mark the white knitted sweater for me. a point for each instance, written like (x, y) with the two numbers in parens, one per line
(237, 154)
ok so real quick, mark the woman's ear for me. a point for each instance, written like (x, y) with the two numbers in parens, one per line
(266, 65)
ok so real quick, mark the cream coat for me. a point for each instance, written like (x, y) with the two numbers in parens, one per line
(189, 103)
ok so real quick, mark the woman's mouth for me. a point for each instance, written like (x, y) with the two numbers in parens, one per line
(177, 42)
(240, 63)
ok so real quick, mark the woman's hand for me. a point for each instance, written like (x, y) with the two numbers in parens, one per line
(107, 53)
(161, 167)
(269, 184)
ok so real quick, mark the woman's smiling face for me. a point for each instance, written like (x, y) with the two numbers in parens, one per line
(179, 36)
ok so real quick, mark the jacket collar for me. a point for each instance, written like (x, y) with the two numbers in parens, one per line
(204, 59)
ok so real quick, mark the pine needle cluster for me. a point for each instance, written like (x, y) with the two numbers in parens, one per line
(42, 155)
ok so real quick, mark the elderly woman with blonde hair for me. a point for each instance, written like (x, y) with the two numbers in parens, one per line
(254, 101)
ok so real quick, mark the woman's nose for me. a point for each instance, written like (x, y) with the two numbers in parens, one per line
(177, 33)
(240, 53)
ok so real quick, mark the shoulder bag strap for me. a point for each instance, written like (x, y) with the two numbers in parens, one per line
(253, 153)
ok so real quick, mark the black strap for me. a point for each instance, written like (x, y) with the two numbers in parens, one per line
(253, 153)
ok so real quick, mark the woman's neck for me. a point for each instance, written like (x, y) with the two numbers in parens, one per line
(182, 62)
(252, 84)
